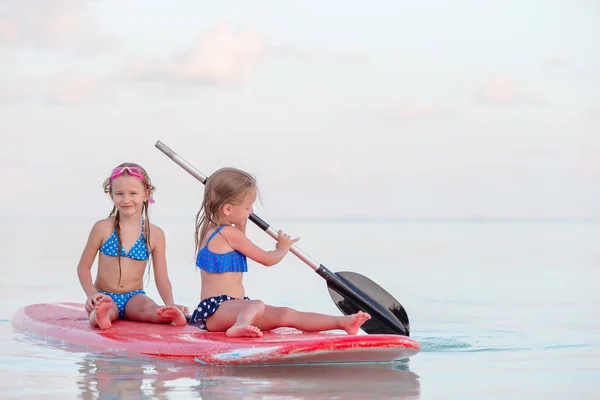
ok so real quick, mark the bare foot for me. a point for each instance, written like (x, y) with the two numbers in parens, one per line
(173, 313)
(352, 323)
(244, 331)
(101, 312)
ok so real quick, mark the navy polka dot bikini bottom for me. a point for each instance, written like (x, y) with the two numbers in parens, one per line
(208, 307)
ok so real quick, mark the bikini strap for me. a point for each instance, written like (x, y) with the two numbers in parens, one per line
(212, 235)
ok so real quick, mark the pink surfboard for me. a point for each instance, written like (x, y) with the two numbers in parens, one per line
(68, 322)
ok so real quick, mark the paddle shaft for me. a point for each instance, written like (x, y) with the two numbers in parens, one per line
(253, 217)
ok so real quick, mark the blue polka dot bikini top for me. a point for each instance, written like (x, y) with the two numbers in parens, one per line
(233, 261)
(138, 251)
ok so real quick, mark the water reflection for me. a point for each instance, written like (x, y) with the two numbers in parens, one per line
(112, 377)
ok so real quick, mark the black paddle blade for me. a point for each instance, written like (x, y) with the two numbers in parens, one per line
(377, 294)
(353, 292)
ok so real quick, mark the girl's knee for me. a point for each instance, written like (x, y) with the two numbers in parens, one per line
(141, 305)
(257, 304)
(286, 316)
(148, 303)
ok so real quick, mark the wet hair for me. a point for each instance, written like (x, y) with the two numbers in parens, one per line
(115, 212)
(225, 186)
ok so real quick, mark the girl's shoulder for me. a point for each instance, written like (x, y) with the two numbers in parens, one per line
(211, 232)
(157, 237)
(227, 230)
(106, 224)
(232, 233)
(156, 230)
(102, 229)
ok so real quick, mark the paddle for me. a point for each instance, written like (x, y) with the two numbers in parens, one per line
(350, 291)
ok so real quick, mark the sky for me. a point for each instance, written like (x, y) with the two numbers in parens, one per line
(397, 109)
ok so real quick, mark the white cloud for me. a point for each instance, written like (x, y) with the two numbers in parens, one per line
(9, 31)
(222, 55)
(503, 90)
(69, 88)
(225, 55)
(75, 89)
(52, 24)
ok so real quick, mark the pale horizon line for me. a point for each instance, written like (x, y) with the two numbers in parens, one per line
(474, 219)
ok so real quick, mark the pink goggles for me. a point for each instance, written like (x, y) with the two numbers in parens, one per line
(133, 171)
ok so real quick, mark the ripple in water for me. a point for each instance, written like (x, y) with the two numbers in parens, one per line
(439, 344)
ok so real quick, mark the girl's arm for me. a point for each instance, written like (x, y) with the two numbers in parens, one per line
(88, 256)
(159, 259)
(86, 261)
(238, 241)
(161, 276)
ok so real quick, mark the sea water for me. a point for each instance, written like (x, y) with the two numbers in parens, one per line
(502, 309)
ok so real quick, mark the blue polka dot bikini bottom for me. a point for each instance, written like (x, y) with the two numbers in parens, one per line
(121, 299)
(208, 307)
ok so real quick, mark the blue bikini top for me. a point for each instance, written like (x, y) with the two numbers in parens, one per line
(232, 261)
(138, 251)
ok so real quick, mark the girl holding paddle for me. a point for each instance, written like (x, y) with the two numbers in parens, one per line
(222, 248)
(117, 291)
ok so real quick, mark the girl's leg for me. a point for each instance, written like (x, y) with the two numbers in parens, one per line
(237, 317)
(276, 317)
(248, 317)
(142, 308)
(104, 313)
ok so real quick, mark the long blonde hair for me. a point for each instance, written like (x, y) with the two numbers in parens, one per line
(115, 212)
(225, 186)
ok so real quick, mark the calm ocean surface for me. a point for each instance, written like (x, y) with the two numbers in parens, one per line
(502, 311)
